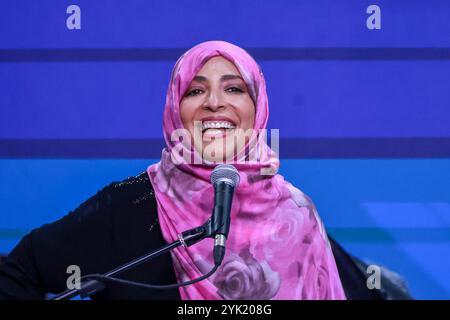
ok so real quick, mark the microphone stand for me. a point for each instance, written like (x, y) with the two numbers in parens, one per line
(185, 239)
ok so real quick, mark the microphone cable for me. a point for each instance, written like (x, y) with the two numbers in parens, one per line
(106, 279)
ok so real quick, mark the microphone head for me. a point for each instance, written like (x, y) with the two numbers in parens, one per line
(225, 173)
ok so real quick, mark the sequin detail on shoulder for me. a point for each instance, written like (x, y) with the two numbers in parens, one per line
(144, 197)
(141, 178)
(142, 193)
(153, 225)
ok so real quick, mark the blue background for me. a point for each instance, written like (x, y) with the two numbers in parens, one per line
(363, 114)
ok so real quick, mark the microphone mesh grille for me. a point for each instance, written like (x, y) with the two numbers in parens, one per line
(225, 173)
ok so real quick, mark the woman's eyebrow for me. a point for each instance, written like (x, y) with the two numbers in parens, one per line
(223, 78)
(200, 79)
(230, 77)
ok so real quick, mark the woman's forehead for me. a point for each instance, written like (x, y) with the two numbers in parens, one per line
(218, 65)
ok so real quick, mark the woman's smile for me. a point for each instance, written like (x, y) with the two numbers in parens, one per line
(217, 127)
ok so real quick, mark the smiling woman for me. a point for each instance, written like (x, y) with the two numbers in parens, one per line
(219, 88)
(277, 247)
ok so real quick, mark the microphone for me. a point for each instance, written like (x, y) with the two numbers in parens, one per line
(224, 178)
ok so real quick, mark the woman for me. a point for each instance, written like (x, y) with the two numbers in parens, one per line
(219, 88)
(216, 111)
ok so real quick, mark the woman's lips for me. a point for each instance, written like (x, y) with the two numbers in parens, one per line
(218, 119)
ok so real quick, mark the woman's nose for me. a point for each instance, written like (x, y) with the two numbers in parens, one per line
(214, 101)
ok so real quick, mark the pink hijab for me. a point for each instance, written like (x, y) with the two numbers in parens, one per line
(277, 247)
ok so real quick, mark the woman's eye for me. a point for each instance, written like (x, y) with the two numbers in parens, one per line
(234, 89)
(194, 92)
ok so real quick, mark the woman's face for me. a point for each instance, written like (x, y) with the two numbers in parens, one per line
(214, 107)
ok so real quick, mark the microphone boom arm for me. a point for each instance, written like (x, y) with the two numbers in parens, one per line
(185, 239)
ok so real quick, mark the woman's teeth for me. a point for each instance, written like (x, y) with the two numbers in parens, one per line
(217, 125)
(217, 128)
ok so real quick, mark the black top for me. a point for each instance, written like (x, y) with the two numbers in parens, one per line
(114, 226)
